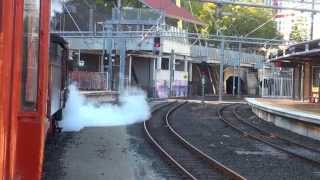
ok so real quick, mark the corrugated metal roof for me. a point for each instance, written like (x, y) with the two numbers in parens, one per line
(171, 10)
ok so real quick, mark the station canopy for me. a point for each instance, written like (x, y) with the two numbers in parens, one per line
(305, 51)
(171, 10)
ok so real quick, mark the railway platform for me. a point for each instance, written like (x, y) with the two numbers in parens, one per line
(300, 117)
(101, 153)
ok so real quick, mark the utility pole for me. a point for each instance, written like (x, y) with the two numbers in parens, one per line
(312, 20)
(219, 14)
(239, 62)
(171, 71)
(91, 23)
(119, 14)
(108, 46)
(221, 70)
(91, 15)
(122, 70)
(234, 79)
(104, 53)
(121, 46)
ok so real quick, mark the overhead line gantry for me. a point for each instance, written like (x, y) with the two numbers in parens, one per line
(259, 5)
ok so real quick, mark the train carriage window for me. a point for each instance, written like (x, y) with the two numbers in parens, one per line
(30, 54)
(1, 11)
(1, 31)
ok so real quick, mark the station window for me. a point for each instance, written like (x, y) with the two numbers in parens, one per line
(179, 65)
(165, 64)
(31, 17)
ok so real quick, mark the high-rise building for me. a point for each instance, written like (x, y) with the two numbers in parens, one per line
(297, 20)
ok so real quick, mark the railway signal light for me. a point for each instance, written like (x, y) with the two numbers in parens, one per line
(74, 56)
(105, 61)
(156, 45)
(203, 68)
(114, 54)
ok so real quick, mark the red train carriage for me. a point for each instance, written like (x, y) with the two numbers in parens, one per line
(24, 79)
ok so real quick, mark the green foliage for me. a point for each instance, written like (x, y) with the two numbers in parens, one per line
(235, 20)
(299, 31)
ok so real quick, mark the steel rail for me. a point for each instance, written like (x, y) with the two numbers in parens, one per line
(271, 134)
(310, 160)
(164, 152)
(214, 163)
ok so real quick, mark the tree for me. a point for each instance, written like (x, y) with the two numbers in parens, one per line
(239, 20)
(299, 31)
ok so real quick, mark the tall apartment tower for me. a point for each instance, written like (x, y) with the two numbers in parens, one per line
(297, 19)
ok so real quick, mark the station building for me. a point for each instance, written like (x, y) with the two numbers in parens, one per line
(119, 48)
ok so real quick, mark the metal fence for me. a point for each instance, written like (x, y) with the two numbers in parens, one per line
(277, 82)
(89, 80)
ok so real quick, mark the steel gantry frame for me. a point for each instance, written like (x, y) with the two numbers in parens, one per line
(260, 5)
(121, 35)
(118, 36)
(190, 36)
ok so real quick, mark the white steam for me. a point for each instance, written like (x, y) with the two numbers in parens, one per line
(80, 113)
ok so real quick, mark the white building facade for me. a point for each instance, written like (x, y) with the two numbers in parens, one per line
(302, 19)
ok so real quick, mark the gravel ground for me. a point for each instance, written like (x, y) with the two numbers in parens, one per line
(246, 112)
(103, 153)
(252, 159)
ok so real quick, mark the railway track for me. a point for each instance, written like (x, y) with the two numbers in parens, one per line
(190, 161)
(275, 135)
(229, 115)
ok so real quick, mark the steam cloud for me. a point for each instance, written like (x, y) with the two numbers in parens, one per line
(80, 113)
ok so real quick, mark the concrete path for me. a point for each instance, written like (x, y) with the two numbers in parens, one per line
(103, 153)
(115, 153)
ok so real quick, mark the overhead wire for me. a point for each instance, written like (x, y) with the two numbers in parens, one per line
(72, 18)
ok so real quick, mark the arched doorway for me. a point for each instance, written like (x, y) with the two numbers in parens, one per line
(229, 84)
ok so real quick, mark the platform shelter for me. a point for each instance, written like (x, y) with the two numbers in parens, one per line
(290, 90)
(304, 60)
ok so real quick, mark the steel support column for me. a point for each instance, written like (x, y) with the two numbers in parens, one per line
(171, 71)
(239, 70)
(234, 80)
(110, 71)
(122, 49)
(108, 45)
(130, 69)
(154, 77)
(301, 83)
(312, 20)
(221, 71)
(190, 79)
(263, 85)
